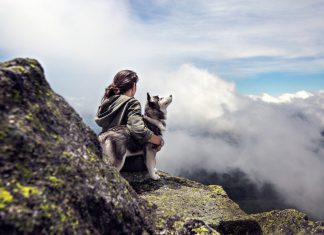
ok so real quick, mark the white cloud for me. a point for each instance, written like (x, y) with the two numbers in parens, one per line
(99, 34)
(284, 98)
(280, 143)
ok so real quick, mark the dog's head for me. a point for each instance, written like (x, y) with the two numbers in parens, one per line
(158, 103)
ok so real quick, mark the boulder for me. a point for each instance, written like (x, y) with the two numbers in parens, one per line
(187, 207)
(53, 177)
(289, 221)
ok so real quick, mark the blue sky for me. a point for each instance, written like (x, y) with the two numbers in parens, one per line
(264, 75)
(277, 83)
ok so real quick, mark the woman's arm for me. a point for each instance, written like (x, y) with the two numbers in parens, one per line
(136, 126)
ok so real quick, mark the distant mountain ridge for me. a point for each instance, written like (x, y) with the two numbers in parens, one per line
(55, 180)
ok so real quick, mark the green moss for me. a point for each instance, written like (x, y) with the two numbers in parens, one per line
(5, 197)
(67, 154)
(49, 104)
(2, 134)
(57, 112)
(50, 95)
(31, 118)
(50, 210)
(23, 219)
(5, 64)
(33, 66)
(203, 230)
(27, 191)
(203, 203)
(34, 107)
(19, 69)
(64, 218)
(90, 154)
(16, 95)
(289, 221)
(217, 189)
(55, 181)
(25, 172)
(47, 210)
(178, 225)
(179, 200)
(33, 63)
(57, 137)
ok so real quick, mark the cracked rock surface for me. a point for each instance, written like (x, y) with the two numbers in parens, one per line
(53, 177)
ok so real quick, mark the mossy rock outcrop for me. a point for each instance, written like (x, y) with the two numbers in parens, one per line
(286, 222)
(188, 207)
(53, 177)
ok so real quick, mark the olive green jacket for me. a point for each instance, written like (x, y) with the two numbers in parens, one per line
(123, 110)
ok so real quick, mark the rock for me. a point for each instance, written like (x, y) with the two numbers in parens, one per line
(53, 177)
(187, 207)
(287, 221)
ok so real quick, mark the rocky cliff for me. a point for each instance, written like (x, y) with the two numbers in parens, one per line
(54, 179)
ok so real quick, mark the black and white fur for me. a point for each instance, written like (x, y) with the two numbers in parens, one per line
(118, 144)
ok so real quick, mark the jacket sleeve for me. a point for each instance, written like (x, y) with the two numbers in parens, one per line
(135, 123)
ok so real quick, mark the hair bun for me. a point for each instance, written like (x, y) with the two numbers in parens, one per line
(123, 81)
(112, 88)
(115, 89)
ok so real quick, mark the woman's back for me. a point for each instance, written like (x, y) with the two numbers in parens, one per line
(123, 110)
(113, 112)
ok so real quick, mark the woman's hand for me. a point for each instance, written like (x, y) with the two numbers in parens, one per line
(158, 148)
(155, 139)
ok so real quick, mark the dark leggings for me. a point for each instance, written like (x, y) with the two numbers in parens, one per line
(134, 163)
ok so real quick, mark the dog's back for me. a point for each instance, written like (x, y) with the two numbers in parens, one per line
(117, 143)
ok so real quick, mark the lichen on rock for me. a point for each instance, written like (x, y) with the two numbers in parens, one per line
(180, 201)
(53, 178)
(289, 221)
(187, 207)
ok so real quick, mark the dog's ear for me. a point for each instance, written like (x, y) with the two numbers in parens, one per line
(149, 102)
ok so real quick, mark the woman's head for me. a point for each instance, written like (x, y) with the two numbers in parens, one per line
(123, 81)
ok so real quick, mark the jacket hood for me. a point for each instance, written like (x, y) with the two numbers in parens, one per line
(109, 108)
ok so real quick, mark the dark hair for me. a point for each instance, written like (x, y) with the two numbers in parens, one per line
(122, 82)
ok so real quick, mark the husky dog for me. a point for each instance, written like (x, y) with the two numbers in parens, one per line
(118, 144)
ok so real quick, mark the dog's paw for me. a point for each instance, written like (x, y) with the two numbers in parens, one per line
(155, 170)
(155, 177)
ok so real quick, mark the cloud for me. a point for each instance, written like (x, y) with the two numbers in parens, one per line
(284, 98)
(213, 127)
(97, 35)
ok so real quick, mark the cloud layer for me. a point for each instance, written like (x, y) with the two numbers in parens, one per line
(212, 127)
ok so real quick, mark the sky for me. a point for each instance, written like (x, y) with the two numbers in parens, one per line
(247, 77)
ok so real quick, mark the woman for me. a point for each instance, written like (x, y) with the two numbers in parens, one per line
(119, 107)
